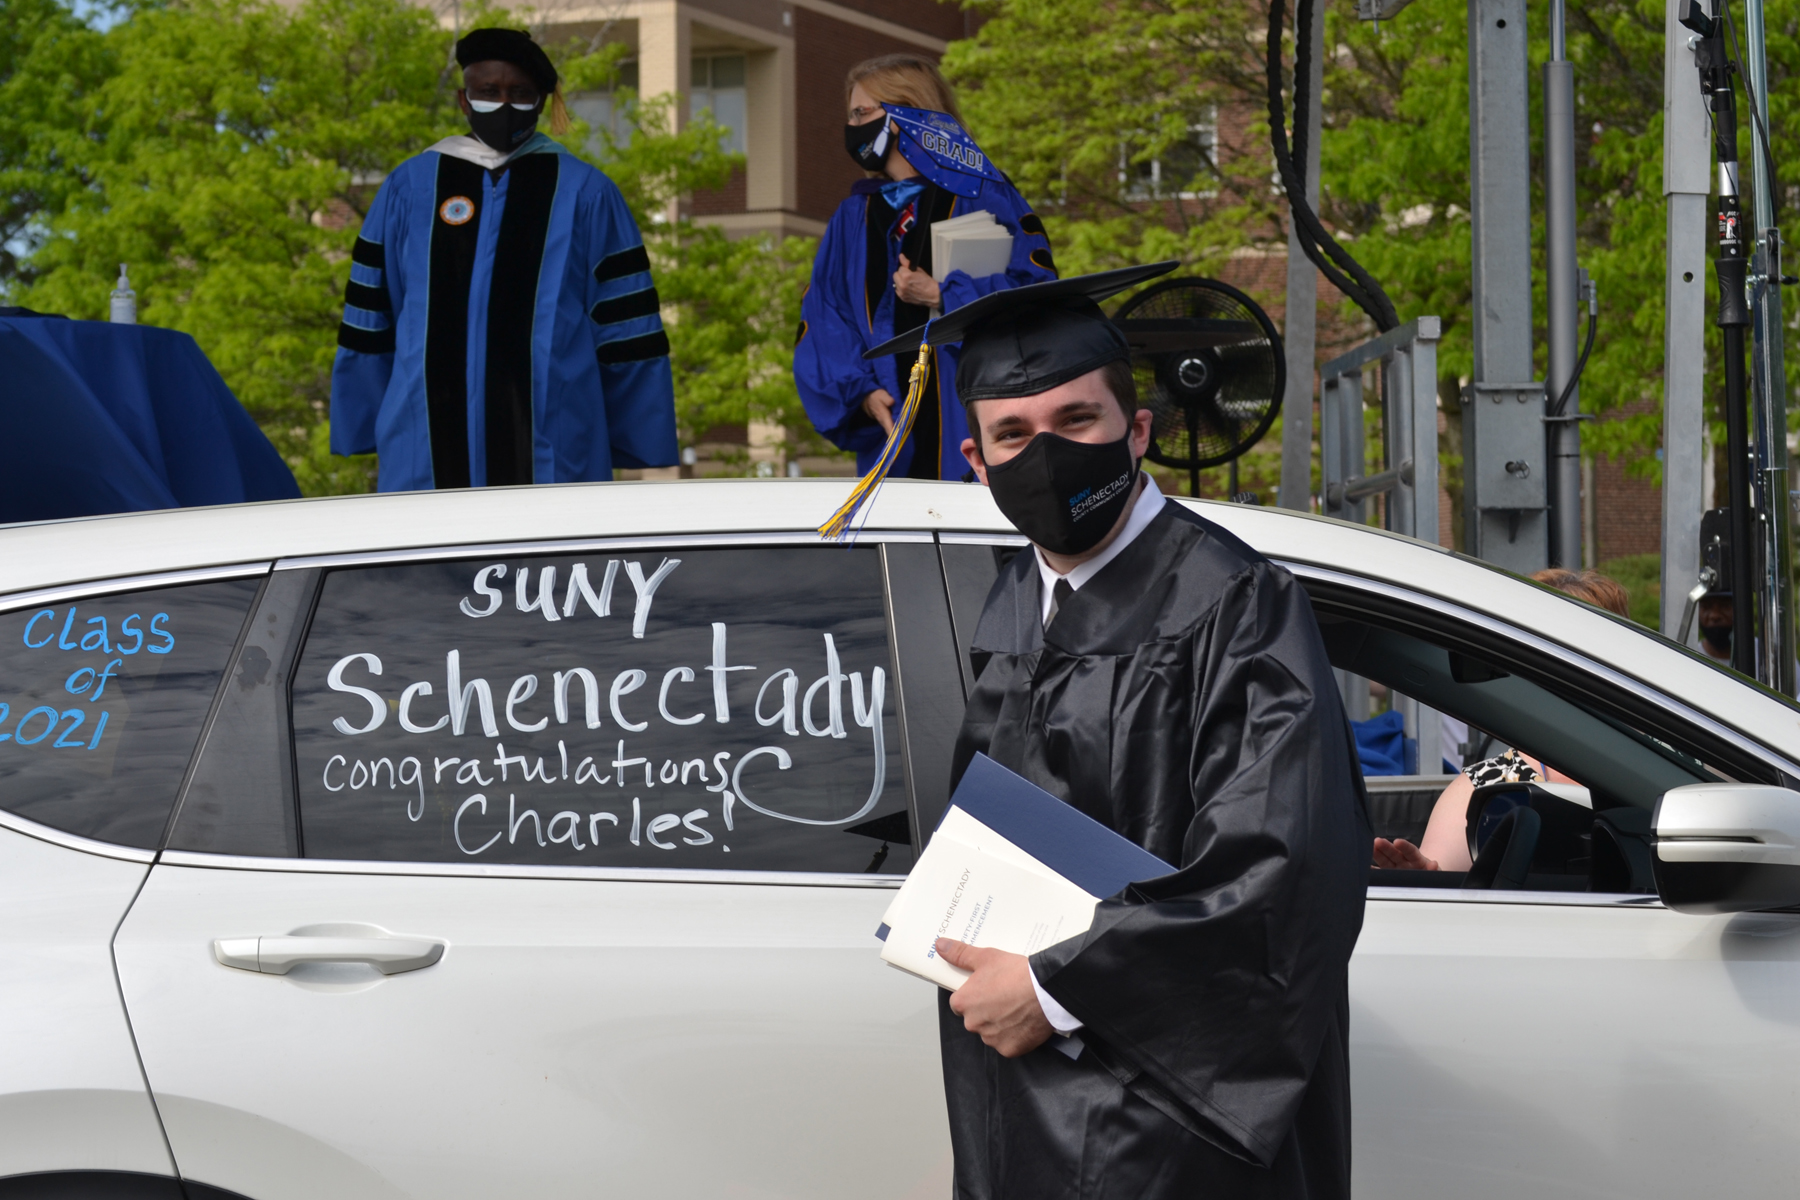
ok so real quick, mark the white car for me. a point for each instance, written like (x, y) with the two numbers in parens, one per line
(532, 842)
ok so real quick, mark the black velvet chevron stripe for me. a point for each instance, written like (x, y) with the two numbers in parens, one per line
(366, 341)
(623, 308)
(372, 299)
(452, 259)
(369, 254)
(637, 349)
(625, 262)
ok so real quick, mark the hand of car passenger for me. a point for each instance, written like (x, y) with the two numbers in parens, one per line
(915, 286)
(880, 405)
(1401, 855)
(997, 1001)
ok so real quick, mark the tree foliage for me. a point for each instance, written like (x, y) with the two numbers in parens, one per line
(227, 149)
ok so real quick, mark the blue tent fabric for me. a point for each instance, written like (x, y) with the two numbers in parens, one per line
(1381, 744)
(101, 418)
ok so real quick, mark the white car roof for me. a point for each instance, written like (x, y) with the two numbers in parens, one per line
(48, 554)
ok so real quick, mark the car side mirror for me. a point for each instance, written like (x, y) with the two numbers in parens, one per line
(1727, 847)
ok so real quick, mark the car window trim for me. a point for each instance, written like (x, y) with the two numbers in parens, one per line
(339, 866)
(984, 539)
(1543, 645)
(73, 841)
(1556, 899)
(672, 541)
(130, 583)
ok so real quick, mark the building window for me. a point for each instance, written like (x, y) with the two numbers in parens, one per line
(718, 87)
(1183, 171)
(606, 111)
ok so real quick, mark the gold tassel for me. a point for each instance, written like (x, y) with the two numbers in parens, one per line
(559, 113)
(838, 527)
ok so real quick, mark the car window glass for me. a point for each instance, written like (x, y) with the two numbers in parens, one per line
(1582, 836)
(102, 699)
(727, 708)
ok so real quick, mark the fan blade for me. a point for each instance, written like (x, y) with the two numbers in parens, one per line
(1162, 335)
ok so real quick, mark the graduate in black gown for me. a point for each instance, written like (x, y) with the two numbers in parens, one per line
(1151, 669)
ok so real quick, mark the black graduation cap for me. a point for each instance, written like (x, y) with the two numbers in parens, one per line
(1022, 341)
(513, 46)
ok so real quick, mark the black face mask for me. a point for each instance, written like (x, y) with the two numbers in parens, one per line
(1718, 638)
(506, 128)
(1065, 495)
(869, 143)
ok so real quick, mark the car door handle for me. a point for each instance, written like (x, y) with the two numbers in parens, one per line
(279, 955)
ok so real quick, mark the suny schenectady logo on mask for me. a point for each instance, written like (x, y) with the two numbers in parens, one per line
(1065, 495)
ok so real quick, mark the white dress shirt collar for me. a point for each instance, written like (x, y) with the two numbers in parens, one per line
(1143, 510)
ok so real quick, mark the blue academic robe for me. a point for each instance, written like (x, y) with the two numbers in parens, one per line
(501, 331)
(850, 306)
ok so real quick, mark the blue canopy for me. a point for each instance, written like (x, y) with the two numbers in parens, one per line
(100, 418)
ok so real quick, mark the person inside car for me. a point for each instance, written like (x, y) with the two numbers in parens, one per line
(1445, 845)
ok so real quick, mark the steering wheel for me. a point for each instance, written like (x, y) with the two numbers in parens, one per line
(1506, 858)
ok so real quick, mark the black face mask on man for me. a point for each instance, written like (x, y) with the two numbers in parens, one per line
(501, 125)
(869, 143)
(1065, 495)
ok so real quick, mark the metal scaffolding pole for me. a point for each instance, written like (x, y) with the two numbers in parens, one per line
(1775, 665)
(1503, 416)
(1298, 334)
(1687, 180)
(1562, 288)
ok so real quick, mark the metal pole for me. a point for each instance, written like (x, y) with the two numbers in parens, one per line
(1686, 183)
(1300, 325)
(1503, 422)
(1768, 373)
(1562, 292)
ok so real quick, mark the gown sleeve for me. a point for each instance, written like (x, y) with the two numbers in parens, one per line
(625, 315)
(1210, 991)
(829, 370)
(365, 355)
(1031, 258)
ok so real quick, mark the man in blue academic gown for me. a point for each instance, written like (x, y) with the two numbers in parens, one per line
(500, 324)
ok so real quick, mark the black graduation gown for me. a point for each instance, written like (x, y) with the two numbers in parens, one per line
(1183, 698)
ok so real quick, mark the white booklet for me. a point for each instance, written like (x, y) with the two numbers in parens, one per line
(977, 887)
(973, 243)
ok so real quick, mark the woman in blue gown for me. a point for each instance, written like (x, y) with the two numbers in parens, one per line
(872, 280)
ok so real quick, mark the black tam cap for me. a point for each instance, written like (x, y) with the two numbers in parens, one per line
(511, 46)
(1023, 341)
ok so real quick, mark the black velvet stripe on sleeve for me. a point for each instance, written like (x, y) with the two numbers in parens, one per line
(624, 308)
(366, 341)
(447, 323)
(370, 299)
(637, 349)
(369, 254)
(625, 262)
(512, 313)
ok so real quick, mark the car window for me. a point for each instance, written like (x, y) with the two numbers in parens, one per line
(102, 699)
(1621, 752)
(728, 708)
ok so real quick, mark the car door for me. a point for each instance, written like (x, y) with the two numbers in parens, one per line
(554, 871)
(103, 690)
(1555, 1040)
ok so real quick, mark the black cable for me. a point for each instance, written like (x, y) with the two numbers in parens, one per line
(1556, 410)
(1343, 271)
(1761, 131)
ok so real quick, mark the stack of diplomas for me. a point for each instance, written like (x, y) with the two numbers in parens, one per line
(1011, 867)
(973, 243)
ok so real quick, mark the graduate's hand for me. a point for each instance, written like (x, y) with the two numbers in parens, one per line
(1402, 855)
(997, 1001)
(880, 405)
(915, 286)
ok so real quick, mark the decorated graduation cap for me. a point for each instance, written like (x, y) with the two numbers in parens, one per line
(1015, 342)
(941, 150)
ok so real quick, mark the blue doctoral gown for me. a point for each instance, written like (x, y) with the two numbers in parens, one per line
(501, 331)
(850, 306)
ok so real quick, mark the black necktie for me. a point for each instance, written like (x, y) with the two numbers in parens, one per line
(1059, 596)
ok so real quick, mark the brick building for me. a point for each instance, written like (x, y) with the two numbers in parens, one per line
(770, 71)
